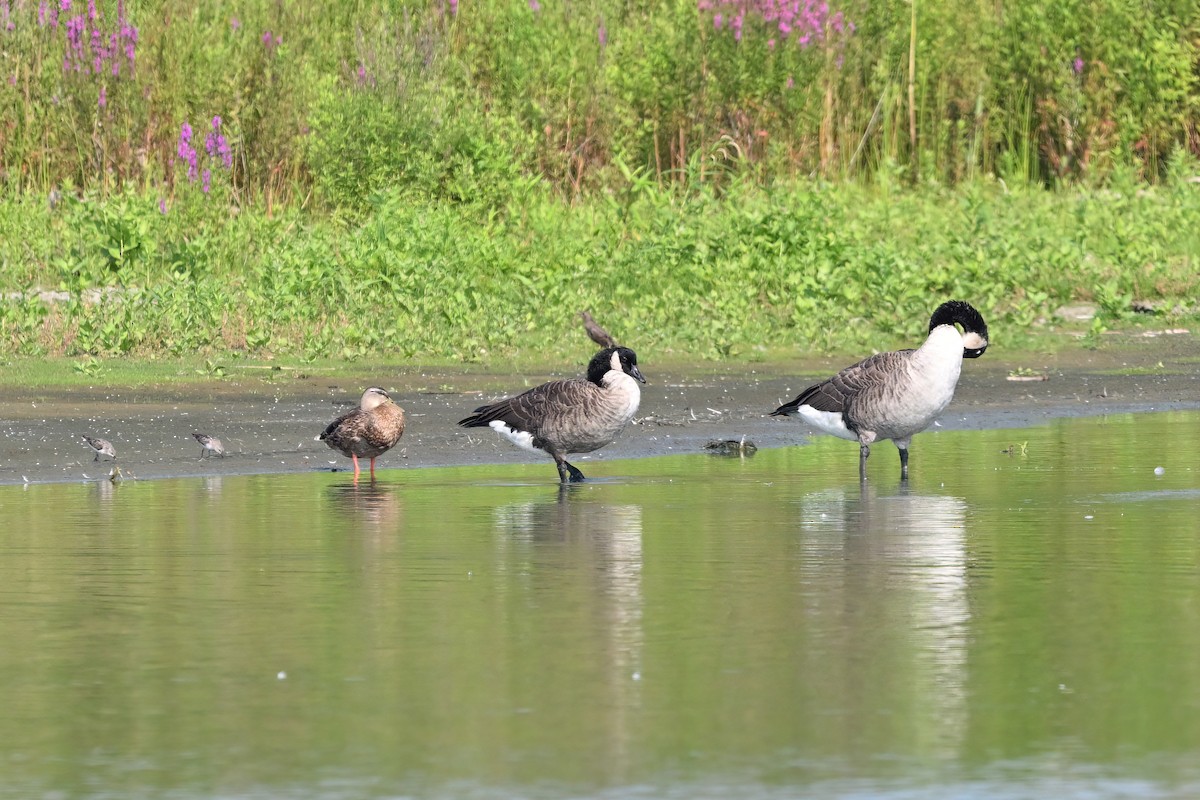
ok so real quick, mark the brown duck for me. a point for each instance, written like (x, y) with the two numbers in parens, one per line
(368, 431)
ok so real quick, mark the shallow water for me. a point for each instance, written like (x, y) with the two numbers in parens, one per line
(1009, 624)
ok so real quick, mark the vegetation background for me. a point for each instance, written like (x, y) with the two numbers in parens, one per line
(455, 178)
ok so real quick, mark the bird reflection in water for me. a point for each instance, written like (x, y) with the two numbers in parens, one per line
(377, 506)
(572, 538)
(893, 568)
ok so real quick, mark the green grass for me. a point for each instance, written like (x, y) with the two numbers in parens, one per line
(806, 267)
(411, 183)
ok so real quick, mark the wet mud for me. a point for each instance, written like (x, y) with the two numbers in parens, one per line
(269, 426)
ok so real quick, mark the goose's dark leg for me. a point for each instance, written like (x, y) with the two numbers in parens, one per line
(566, 472)
(203, 450)
(97, 458)
(864, 452)
(903, 463)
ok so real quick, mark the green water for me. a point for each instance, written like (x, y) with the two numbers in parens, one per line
(1004, 626)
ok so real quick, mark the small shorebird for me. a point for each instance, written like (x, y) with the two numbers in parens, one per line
(895, 395)
(368, 431)
(578, 415)
(101, 447)
(209, 444)
(595, 332)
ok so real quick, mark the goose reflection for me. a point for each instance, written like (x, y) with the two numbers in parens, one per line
(901, 590)
(579, 539)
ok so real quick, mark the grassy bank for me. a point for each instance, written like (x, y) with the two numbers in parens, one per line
(709, 275)
(456, 179)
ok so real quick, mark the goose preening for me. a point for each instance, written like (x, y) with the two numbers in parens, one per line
(577, 415)
(209, 444)
(368, 431)
(895, 395)
(595, 332)
(101, 447)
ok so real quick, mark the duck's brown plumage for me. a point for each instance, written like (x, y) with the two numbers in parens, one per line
(368, 431)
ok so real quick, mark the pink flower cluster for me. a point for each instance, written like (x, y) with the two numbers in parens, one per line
(91, 49)
(805, 20)
(216, 147)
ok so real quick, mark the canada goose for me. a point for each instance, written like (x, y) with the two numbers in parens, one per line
(898, 394)
(368, 431)
(595, 332)
(209, 444)
(102, 447)
(578, 415)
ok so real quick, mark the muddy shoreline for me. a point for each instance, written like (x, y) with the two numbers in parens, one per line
(269, 426)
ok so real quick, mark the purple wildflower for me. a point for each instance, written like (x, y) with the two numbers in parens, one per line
(92, 13)
(162, 205)
(186, 152)
(42, 14)
(74, 57)
(206, 182)
(805, 21)
(602, 34)
(98, 51)
(114, 46)
(790, 82)
(65, 5)
(454, 8)
(235, 24)
(103, 100)
(1077, 65)
(535, 6)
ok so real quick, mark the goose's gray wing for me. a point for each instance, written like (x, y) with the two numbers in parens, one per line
(531, 410)
(837, 394)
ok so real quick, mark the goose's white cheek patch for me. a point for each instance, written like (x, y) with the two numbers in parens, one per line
(973, 341)
(522, 439)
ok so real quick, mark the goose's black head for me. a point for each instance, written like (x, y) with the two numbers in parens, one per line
(974, 329)
(621, 359)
